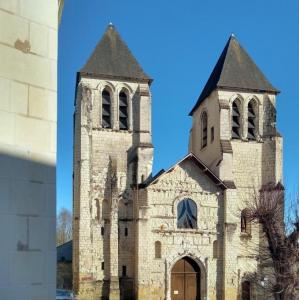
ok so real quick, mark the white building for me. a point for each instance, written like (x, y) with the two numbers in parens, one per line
(28, 116)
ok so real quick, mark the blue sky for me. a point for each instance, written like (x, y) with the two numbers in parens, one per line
(178, 43)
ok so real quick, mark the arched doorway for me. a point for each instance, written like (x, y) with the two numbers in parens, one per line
(185, 280)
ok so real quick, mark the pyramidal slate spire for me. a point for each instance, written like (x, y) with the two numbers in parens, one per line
(235, 70)
(113, 59)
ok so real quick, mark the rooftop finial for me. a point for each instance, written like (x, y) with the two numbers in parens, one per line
(111, 24)
(232, 35)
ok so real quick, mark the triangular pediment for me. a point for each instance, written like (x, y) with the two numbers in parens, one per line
(198, 165)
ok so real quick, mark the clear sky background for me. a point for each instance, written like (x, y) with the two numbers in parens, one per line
(178, 43)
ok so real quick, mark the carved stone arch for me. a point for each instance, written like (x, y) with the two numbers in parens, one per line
(236, 96)
(173, 258)
(253, 97)
(105, 84)
(124, 86)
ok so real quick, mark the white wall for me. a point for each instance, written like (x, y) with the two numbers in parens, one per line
(28, 99)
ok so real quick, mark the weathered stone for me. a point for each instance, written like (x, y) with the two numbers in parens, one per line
(133, 255)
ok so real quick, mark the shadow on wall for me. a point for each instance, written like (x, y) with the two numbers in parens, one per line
(27, 225)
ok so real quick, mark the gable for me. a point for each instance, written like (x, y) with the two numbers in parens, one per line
(190, 174)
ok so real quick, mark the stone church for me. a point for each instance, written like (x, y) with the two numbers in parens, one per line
(181, 234)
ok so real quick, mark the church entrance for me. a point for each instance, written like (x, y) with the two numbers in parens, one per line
(185, 280)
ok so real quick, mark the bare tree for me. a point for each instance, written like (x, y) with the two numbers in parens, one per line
(63, 226)
(281, 239)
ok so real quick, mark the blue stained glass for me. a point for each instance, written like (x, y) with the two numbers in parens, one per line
(187, 214)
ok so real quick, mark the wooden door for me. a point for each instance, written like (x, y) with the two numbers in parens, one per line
(185, 280)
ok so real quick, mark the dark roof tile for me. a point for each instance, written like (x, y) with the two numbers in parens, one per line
(112, 58)
(235, 70)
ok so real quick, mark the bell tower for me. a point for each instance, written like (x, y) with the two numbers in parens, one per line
(112, 150)
(234, 119)
(234, 133)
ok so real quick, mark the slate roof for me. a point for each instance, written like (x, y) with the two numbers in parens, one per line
(236, 70)
(113, 59)
(64, 252)
(197, 162)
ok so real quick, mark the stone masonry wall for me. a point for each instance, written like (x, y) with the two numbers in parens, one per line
(28, 84)
(247, 165)
(186, 180)
(103, 205)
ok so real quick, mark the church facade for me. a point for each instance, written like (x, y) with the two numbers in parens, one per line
(181, 234)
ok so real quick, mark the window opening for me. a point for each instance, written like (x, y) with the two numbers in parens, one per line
(187, 214)
(106, 109)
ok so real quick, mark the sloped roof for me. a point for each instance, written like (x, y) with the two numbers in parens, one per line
(235, 69)
(65, 251)
(113, 58)
(197, 161)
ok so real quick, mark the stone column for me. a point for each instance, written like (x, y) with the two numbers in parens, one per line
(114, 292)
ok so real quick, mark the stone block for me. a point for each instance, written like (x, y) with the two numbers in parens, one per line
(18, 28)
(5, 196)
(50, 196)
(33, 134)
(37, 227)
(39, 39)
(28, 68)
(27, 267)
(53, 44)
(4, 268)
(12, 6)
(21, 236)
(5, 94)
(29, 198)
(38, 292)
(53, 139)
(7, 128)
(14, 292)
(42, 11)
(42, 104)
(50, 267)
(7, 233)
(19, 98)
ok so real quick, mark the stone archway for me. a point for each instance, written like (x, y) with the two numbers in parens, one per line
(185, 280)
